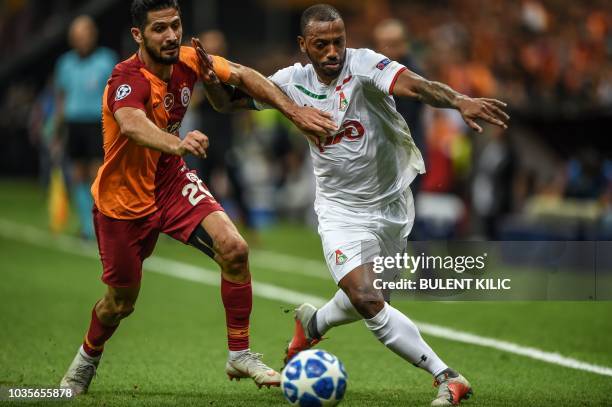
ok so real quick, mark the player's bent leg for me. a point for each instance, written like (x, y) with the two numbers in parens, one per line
(231, 253)
(358, 285)
(398, 333)
(230, 250)
(116, 304)
(337, 311)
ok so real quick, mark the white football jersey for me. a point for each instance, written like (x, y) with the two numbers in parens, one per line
(372, 159)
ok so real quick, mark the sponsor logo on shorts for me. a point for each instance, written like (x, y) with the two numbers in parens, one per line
(123, 91)
(383, 64)
(185, 96)
(340, 257)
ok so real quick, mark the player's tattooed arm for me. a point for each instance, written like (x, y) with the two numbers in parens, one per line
(437, 94)
(135, 125)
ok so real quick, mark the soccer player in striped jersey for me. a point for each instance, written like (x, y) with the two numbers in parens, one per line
(144, 187)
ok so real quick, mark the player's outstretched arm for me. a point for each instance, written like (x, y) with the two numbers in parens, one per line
(135, 125)
(437, 94)
(218, 94)
(307, 119)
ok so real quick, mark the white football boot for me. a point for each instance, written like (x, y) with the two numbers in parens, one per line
(80, 373)
(249, 364)
(452, 388)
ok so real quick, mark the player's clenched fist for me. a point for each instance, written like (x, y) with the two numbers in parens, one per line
(195, 142)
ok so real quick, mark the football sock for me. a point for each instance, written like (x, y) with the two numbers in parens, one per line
(88, 357)
(97, 335)
(238, 302)
(337, 311)
(84, 204)
(398, 333)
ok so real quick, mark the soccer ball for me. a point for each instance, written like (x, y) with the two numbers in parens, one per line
(314, 378)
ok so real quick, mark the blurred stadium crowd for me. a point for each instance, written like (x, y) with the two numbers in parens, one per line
(548, 177)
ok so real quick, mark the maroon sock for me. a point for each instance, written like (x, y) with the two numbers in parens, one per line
(97, 335)
(238, 302)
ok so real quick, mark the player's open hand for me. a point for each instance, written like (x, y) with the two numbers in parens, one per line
(314, 123)
(206, 63)
(489, 110)
(195, 142)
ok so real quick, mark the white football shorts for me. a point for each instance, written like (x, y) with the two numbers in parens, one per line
(351, 238)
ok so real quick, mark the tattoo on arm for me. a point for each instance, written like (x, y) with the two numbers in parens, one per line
(436, 94)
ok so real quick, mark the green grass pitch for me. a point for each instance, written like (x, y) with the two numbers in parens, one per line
(172, 350)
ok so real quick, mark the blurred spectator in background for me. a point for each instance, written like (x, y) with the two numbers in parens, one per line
(493, 183)
(42, 128)
(80, 78)
(390, 39)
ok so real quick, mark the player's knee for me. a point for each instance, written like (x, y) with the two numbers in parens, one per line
(124, 309)
(114, 309)
(235, 256)
(367, 301)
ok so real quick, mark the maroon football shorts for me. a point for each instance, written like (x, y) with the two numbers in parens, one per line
(183, 201)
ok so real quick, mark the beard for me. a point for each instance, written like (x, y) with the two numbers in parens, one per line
(158, 57)
(329, 72)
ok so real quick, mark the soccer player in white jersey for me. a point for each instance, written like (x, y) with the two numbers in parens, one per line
(363, 172)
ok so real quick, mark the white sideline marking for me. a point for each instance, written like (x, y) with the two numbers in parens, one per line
(533, 353)
(288, 264)
(25, 233)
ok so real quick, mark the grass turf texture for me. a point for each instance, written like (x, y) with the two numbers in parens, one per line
(172, 351)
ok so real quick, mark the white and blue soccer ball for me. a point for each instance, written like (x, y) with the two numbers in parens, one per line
(314, 378)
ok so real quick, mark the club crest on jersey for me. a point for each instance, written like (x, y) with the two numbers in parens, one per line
(383, 64)
(185, 96)
(343, 102)
(168, 101)
(123, 91)
(340, 257)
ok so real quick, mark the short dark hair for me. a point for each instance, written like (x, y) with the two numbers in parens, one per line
(141, 8)
(318, 12)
